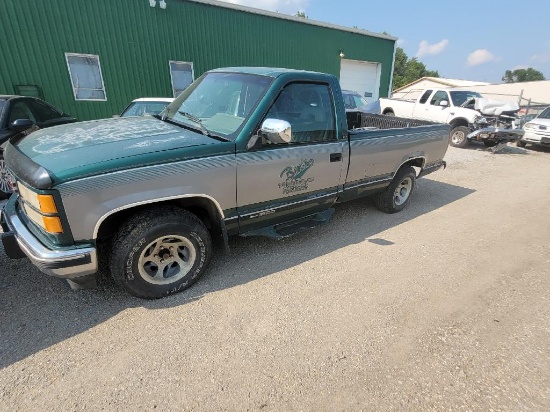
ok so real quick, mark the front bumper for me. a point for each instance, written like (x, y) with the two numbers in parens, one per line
(539, 138)
(64, 263)
(496, 134)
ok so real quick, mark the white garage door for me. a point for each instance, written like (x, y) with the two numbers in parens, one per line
(362, 77)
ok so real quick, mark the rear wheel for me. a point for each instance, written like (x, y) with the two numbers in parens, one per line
(389, 113)
(160, 252)
(459, 136)
(398, 194)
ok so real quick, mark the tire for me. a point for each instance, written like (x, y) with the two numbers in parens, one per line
(390, 113)
(166, 238)
(457, 137)
(520, 143)
(398, 194)
(6, 179)
(489, 143)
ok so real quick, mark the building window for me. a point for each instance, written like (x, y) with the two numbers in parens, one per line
(182, 76)
(86, 77)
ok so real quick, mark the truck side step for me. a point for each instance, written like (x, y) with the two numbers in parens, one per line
(288, 229)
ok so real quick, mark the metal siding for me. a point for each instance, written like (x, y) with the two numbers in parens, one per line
(135, 42)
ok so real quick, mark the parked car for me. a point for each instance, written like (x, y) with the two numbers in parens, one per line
(353, 100)
(526, 118)
(19, 114)
(537, 130)
(146, 105)
(153, 195)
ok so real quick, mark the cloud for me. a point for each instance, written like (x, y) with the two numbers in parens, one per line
(427, 49)
(282, 6)
(519, 67)
(400, 42)
(481, 56)
(541, 58)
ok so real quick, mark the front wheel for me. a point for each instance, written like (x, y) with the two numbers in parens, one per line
(398, 194)
(160, 252)
(520, 143)
(459, 136)
(6, 179)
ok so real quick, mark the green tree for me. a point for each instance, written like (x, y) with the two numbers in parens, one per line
(407, 70)
(522, 75)
(301, 14)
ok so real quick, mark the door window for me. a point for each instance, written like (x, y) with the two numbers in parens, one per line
(425, 97)
(20, 110)
(43, 112)
(309, 110)
(439, 96)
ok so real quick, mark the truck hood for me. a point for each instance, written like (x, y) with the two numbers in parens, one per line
(490, 107)
(103, 145)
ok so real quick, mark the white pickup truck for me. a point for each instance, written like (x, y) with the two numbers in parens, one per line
(471, 116)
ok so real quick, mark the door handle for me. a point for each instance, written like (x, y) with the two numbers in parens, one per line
(335, 157)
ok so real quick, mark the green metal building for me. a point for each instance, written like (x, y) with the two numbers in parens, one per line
(91, 58)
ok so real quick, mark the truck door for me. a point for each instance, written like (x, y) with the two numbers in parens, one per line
(434, 111)
(281, 182)
(419, 111)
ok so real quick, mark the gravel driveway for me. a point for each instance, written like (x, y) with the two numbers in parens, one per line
(444, 306)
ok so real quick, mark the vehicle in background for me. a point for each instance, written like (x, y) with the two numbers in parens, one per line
(526, 118)
(242, 151)
(146, 105)
(471, 116)
(353, 100)
(22, 114)
(537, 130)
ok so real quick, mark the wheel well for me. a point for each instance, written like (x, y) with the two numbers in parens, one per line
(388, 110)
(459, 122)
(417, 162)
(203, 208)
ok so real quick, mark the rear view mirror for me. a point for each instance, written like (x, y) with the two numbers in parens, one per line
(20, 125)
(276, 131)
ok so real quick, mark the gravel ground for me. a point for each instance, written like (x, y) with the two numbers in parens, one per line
(444, 306)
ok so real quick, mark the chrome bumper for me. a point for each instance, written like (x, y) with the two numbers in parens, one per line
(497, 134)
(62, 263)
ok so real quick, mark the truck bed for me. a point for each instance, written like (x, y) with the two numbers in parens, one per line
(379, 145)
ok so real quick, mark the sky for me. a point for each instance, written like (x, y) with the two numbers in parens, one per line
(469, 40)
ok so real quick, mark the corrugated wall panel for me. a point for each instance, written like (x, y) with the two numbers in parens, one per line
(135, 43)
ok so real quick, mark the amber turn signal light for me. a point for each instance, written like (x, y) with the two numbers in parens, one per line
(47, 204)
(52, 224)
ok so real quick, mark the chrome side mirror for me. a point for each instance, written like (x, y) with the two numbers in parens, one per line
(276, 131)
(443, 103)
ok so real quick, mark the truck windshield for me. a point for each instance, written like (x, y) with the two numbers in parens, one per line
(459, 97)
(218, 103)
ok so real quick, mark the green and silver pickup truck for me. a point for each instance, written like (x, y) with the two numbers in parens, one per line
(242, 151)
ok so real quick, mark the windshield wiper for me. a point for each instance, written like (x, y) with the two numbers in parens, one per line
(196, 120)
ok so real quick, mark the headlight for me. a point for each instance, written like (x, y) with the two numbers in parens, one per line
(529, 126)
(480, 119)
(41, 209)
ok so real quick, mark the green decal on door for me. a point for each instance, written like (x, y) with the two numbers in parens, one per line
(293, 176)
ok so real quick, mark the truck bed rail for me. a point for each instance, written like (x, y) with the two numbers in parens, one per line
(362, 120)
